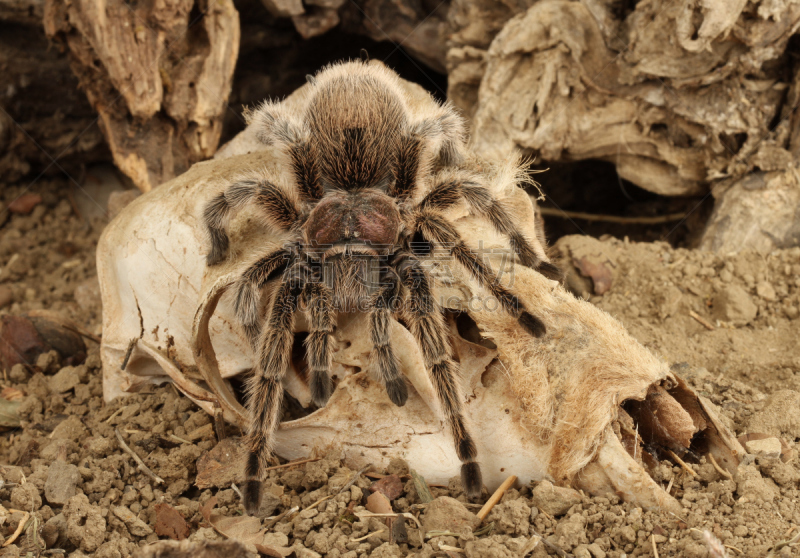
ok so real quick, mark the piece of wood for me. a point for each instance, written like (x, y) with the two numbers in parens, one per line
(487, 507)
(158, 77)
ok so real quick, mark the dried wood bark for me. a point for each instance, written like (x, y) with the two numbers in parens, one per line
(158, 74)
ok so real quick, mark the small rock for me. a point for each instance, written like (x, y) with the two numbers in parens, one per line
(734, 305)
(555, 500)
(572, 532)
(270, 499)
(766, 291)
(448, 514)
(62, 483)
(6, 296)
(768, 447)
(54, 532)
(136, 526)
(24, 204)
(70, 428)
(66, 379)
(49, 362)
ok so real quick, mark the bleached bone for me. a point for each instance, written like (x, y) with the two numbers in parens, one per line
(538, 408)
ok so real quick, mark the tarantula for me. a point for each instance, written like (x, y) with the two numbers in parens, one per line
(371, 176)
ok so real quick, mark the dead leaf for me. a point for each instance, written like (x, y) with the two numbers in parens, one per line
(25, 203)
(390, 486)
(170, 523)
(244, 529)
(220, 466)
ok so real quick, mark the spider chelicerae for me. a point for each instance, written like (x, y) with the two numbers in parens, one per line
(372, 171)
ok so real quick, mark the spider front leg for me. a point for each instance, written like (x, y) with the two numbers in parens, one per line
(317, 297)
(427, 324)
(480, 200)
(279, 209)
(382, 356)
(435, 228)
(264, 388)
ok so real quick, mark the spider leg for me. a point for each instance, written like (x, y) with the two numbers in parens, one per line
(277, 206)
(248, 287)
(382, 356)
(317, 297)
(277, 126)
(264, 388)
(435, 228)
(480, 200)
(427, 324)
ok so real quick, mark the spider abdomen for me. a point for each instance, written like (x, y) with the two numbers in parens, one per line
(363, 217)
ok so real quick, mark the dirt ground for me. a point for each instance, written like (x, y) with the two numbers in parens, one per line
(65, 477)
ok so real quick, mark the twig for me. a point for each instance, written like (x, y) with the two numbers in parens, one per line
(435, 533)
(702, 321)
(681, 462)
(269, 524)
(131, 345)
(354, 478)
(487, 507)
(83, 333)
(237, 491)
(450, 548)
(669, 486)
(485, 530)
(174, 437)
(20, 527)
(655, 549)
(139, 462)
(612, 218)
(368, 535)
(719, 469)
(734, 548)
(114, 414)
(274, 467)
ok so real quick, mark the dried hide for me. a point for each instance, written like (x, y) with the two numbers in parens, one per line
(538, 408)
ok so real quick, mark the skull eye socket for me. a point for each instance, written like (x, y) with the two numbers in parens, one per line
(420, 246)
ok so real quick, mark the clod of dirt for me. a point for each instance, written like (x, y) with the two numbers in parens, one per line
(86, 527)
(136, 526)
(190, 549)
(67, 378)
(54, 531)
(734, 305)
(752, 486)
(62, 483)
(6, 296)
(780, 415)
(26, 497)
(511, 518)
(448, 514)
(220, 466)
(555, 500)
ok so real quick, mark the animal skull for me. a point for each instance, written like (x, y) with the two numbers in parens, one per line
(548, 408)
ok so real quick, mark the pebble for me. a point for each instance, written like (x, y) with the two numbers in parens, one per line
(766, 291)
(768, 447)
(25, 203)
(448, 514)
(555, 500)
(62, 483)
(734, 305)
(136, 526)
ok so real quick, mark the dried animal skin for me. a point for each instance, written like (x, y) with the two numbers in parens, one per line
(538, 408)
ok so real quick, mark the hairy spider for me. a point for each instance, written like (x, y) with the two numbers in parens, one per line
(372, 172)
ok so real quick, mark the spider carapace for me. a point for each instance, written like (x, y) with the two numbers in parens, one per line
(369, 171)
